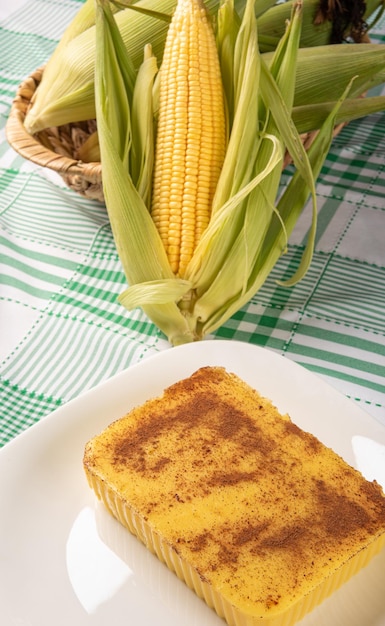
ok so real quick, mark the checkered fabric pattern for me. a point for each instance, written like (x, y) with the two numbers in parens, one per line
(62, 330)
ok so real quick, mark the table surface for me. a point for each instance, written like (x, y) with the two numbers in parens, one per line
(62, 331)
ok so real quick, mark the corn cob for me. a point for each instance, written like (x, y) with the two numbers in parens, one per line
(191, 137)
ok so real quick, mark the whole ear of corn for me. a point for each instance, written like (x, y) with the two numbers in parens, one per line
(191, 139)
(249, 223)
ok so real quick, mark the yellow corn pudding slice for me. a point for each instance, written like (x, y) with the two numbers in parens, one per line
(260, 518)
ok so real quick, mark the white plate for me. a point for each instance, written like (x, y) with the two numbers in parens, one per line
(65, 561)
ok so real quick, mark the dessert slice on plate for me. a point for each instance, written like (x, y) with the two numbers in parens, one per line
(259, 517)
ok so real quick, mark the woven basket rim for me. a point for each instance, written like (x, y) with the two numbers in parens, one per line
(29, 146)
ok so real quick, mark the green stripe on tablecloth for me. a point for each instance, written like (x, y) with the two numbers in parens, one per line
(34, 19)
(26, 288)
(336, 287)
(346, 361)
(29, 271)
(327, 209)
(260, 325)
(37, 17)
(94, 289)
(12, 185)
(47, 362)
(92, 296)
(108, 270)
(7, 94)
(360, 381)
(349, 173)
(358, 342)
(75, 221)
(20, 409)
(97, 311)
(8, 82)
(25, 53)
(7, 177)
(343, 363)
(366, 133)
(33, 255)
(351, 292)
(86, 310)
(103, 246)
(297, 296)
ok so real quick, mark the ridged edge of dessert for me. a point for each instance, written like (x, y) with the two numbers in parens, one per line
(185, 572)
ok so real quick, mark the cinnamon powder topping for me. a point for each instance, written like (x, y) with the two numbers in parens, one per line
(240, 491)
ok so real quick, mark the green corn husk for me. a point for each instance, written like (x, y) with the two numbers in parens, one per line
(53, 78)
(271, 23)
(57, 101)
(324, 69)
(72, 100)
(89, 151)
(82, 21)
(309, 118)
(317, 82)
(248, 230)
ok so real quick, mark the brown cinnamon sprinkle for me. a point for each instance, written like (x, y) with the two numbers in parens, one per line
(220, 419)
(207, 418)
(312, 442)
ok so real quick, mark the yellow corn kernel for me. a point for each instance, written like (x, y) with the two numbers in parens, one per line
(191, 139)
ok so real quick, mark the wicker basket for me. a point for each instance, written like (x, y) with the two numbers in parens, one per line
(57, 147)
(54, 148)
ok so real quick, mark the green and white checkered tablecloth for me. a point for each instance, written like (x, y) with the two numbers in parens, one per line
(63, 332)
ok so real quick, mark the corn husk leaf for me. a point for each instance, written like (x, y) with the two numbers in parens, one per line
(228, 23)
(59, 101)
(324, 71)
(142, 150)
(310, 118)
(155, 292)
(159, 15)
(271, 23)
(293, 200)
(89, 151)
(289, 208)
(82, 21)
